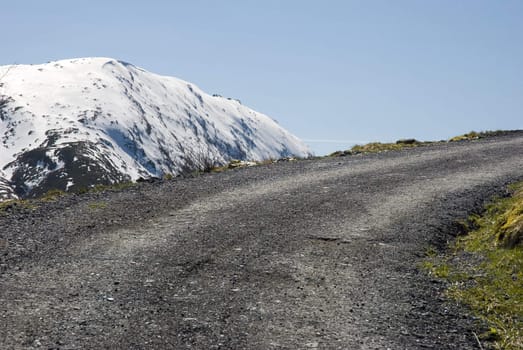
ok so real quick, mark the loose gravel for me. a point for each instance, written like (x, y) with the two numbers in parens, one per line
(294, 255)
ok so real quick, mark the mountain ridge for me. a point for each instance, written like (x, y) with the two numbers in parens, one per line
(74, 123)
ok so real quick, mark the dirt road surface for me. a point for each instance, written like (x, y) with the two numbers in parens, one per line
(315, 254)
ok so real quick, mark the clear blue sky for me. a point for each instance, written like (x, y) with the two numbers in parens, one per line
(326, 70)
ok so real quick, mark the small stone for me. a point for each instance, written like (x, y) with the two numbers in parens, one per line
(312, 345)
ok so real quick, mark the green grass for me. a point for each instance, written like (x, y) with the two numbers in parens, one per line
(435, 269)
(490, 280)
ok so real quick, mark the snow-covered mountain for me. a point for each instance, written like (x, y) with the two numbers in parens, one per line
(74, 123)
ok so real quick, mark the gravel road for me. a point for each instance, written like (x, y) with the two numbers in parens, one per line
(295, 255)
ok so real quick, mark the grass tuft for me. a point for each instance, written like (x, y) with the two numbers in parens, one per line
(469, 136)
(168, 177)
(438, 270)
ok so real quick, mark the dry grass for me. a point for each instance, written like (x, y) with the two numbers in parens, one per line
(474, 135)
(377, 147)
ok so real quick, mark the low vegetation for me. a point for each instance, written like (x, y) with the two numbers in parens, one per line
(55, 194)
(235, 164)
(101, 188)
(98, 205)
(11, 204)
(473, 135)
(114, 187)
(377, 147)
(485, 269)
(29, 204)
(52, 195)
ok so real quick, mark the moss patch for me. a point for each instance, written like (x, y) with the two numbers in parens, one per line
(485, 269)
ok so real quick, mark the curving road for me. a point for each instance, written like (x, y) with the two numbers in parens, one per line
(299, 255)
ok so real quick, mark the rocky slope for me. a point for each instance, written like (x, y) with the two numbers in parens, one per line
(71, 124)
